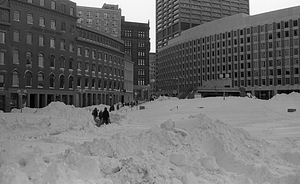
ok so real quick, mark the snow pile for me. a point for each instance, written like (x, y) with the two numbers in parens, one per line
(52, 119)
(191, 151)
(287, 97)
(162, 98)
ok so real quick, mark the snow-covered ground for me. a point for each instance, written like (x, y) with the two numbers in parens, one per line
(171, 141)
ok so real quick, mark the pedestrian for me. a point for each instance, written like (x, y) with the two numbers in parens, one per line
(100, 116)
(95, 112)
(111, 108)
(105, 116)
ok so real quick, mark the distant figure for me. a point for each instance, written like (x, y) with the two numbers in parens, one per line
(95, 112)
(112, 108)
(100, 115)
(105, 116)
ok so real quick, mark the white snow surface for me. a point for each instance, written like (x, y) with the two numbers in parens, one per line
(171, 141)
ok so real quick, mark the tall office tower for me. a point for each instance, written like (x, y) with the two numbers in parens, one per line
(106, 19)
(137, 44)
(175, 16)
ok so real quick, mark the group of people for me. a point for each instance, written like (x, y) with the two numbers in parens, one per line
(103, 116)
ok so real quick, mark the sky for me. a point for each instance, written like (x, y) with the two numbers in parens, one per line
(170, 141)
(144, 10)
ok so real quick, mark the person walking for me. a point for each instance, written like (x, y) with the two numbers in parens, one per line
(105, 116)
(100, 116)
(95, 112)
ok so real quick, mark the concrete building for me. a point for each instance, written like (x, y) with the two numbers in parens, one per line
(175, 16)
(106, 19)
(137, 44)
(259, 54)
(128, 79)
(45, 56)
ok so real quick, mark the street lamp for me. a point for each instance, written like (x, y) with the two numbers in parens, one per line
(21, 93)
(224, 77)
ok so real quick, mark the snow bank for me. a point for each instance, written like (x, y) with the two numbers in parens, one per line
(287, 97)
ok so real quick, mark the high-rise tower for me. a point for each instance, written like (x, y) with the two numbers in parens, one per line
(175, 16)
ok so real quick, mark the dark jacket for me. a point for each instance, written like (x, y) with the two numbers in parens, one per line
(100, 114)
(105, 114)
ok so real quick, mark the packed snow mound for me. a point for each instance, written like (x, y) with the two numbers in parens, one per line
(162, 98)
(50, 120)
(294, 96)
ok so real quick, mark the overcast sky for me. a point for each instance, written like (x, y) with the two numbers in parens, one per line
(144, 10)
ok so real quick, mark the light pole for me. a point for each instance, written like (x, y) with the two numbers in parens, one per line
(21, 93)
(224, 77)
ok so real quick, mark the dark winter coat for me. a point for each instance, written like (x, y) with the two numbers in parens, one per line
(105, 114)
(100, 115)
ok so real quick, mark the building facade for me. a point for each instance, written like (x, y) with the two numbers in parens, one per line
(175, 16)
(128, 79)
(106, 19)
(258, 53)
(137, 44)
(45, 57)
(152, 71)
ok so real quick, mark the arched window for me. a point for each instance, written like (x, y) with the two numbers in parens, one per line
(52, 80)
(28, 58)
(28, 77)
(62, 62)
(40, 80)
(16, 57)
(71, 63)
(71, 81)
(15, 79)
(61, 81)
(52, 61)
(29, 19)
(41, 60)
(105, 83)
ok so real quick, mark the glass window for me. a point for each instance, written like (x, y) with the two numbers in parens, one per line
(41, 60)
(16, 57)
(52, 61)
(1, 80)
(71, 47)
(16, 16)
(52, 81)
(28, 79)
(42, 22)
(2, 58)
(42, 2)
(2, 37)
(52, 42)
(62, 62)
(41, 40)
(71, 81)
(16, 36)
(28, 58)
(62, 44)
(29, 19)
(53, 5)
(15, 79)
(62, 81)
(53, 24)
(29, 39)
(63, 27)
(71, 11)
(40, 80)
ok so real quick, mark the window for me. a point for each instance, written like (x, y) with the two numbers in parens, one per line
(29, 19)
(16, 36)
(63, 27)
(78, 81)
(40, 80)
(62, 81)
(28, 58)
(79, 51)
(141, 34)
(16, 16)
(52, 80)
(2, 57)
(1, 80)
(42, 2)
(72, 29)
(16, 57)
(63, 7)
(53, 5)
(87, 66)
(41, 60)
(72, 11)
(71, 60)
(71, 46)
(15, 79)
(62, 44)
(29, 39)
(28, 79)
(87, 52)
(53, 24)
(41, 40)
(2, 37)
(52, 42)
(71, 81)
(62, 62)
(127, 33)
(42, 22)
(52, 61)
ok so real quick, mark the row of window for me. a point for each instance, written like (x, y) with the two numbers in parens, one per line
(53, 6)
(90, 14)
(42, 22)
(140, 34)
(88, 82)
